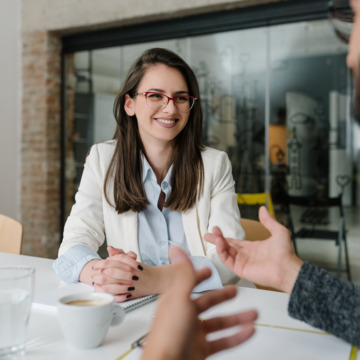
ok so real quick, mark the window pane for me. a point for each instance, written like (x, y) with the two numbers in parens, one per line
(309, 141)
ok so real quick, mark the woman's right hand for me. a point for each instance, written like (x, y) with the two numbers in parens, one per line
(114, 251)
(115, 275)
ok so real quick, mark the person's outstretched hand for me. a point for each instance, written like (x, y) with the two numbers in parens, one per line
(177, 332)
(271, 262)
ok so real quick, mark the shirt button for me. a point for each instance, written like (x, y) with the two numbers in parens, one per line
(164, 185)
(162, 243)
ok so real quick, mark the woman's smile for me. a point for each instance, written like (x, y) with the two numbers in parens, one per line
(166, 122)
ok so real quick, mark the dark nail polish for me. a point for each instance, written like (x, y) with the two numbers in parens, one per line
(140, 267)
(131, 288)
(135, 277)
(128, 296)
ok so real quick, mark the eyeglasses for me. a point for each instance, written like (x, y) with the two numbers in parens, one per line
(342, 18)
(157, 101)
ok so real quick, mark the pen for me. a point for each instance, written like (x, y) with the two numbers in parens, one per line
(139, 342)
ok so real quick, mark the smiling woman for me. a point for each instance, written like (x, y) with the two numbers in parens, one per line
(153, 186)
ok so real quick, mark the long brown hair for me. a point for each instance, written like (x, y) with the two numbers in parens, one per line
(125, 169)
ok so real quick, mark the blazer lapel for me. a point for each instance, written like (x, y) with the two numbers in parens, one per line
(130, 223)
(191, 225)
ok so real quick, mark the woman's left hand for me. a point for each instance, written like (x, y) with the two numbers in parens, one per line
(117, 274)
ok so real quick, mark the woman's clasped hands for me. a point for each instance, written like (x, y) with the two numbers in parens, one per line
(118, 274)
(125, 278)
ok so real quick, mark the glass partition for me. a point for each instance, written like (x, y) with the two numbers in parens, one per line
(300, 142)
(309, 141)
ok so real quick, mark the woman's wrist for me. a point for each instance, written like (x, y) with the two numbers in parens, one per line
(87, 272)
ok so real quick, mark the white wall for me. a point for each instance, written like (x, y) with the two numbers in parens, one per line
(10, 103)
(75, 14)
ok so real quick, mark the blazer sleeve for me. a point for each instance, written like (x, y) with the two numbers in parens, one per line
(85, 225)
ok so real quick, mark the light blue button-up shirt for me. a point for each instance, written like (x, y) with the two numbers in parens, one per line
(157, 231)
(160, 229)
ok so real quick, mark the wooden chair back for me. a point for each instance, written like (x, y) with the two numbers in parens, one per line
(254, 230)
(11, 235)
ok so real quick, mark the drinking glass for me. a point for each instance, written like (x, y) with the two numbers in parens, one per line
(16, 293)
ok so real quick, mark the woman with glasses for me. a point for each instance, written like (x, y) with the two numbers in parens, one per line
(154, 185)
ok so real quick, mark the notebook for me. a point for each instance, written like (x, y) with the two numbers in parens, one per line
(136, 303)
(47, 301)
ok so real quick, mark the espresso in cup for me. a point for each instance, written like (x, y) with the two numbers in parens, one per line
(85, 318)
(88, 302)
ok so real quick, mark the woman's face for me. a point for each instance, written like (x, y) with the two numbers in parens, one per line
(163, 125)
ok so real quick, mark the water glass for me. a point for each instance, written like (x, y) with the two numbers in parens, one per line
(16, 293)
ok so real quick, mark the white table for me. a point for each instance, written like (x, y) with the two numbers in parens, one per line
(45, 340)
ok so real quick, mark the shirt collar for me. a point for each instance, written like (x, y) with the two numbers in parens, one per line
(148, 172)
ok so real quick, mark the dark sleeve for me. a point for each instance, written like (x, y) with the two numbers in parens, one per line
(327, 302)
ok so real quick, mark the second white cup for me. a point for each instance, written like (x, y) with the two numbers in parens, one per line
(85, 318)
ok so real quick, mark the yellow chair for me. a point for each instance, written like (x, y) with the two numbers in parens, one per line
(254, 230)
(11, 235)
(257, 199)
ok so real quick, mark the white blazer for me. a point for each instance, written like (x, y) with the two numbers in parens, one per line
(92, 219)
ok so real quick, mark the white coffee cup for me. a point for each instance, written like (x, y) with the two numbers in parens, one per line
(85, 318)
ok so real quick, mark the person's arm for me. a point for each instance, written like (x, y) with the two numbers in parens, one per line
(327, 302)
(84, 229)
(70, 264)
(317, 297)
(84, 233)
(177, 333)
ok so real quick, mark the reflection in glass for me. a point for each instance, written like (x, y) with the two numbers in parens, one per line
(309, 101)
(309, 121)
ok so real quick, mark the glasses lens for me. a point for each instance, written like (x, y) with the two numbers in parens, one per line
(155, 100)
(184, 103)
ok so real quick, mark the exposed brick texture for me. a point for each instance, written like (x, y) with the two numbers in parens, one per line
(40, 200)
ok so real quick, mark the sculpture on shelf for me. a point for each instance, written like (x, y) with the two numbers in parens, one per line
(294, 151)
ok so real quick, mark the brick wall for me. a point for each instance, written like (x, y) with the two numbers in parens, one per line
(70, 171)
(40, 200)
